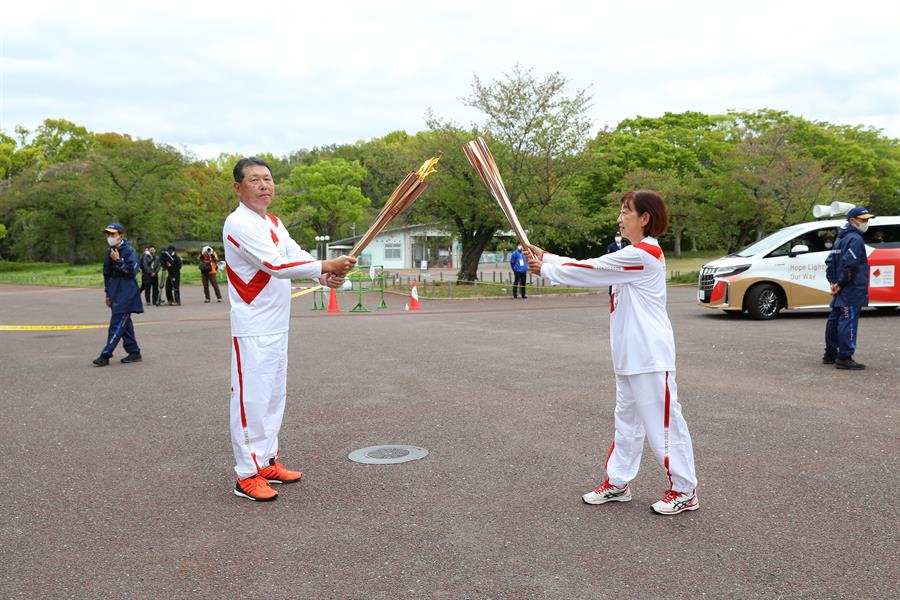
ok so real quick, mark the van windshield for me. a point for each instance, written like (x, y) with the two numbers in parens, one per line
(771, 241)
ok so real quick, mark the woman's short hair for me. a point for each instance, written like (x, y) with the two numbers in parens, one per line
(650, 202)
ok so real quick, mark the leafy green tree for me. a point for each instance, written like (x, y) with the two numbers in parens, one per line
(456, 197)
(387, 160)
(324, 197)
(59, 141)
(207, 199)
(55, 217)
(780, 179)
(145, 187)
(16, 157)
(674, 154)
(536, 133)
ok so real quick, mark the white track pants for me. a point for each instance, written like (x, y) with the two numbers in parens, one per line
(258, 389)
(647, 405)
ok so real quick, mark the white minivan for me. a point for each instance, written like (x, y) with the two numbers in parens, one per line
(787, 270)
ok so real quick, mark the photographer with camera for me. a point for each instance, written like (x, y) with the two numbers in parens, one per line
(208, 269)
(171, 262)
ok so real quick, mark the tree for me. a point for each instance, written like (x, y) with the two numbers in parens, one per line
(782, 182)
(208, 198)
(59, 141)
(536, 133)
(324, 197)
(56, 217)
(456, 197)
(15, 157)
(674, 154)
(146, 186)
(681, 195)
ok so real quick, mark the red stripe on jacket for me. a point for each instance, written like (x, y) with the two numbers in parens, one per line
(233, 241)
(655, 251)
(286, 265)
(584, 266)
(274, 220)
(248, 291)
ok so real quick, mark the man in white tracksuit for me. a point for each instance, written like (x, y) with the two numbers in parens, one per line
(261, 259)
(643, 353)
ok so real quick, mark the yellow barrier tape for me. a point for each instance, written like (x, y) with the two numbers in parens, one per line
(310, 290)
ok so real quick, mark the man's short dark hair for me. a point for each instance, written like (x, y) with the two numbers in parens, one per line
(250, 160)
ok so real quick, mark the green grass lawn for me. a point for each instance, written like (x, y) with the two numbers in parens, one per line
(680, 270)
(65, 275)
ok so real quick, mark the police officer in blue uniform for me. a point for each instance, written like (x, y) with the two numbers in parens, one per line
(847, 270)
(123, 295)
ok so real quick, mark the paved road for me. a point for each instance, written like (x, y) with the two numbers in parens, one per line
(117, 480)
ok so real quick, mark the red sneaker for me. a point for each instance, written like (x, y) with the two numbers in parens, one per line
(277, 473)
(255, 488)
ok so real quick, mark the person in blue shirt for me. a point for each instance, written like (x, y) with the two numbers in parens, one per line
(847, 270)
(519, 265)
(123, 295)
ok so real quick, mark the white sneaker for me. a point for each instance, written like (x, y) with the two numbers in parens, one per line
(675, 502)
(607, 492)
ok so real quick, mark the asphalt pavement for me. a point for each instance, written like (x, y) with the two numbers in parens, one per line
(117, 480)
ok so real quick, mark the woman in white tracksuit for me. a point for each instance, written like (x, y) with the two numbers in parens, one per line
(643, 352)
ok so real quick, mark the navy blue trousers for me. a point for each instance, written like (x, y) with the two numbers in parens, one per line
(840, 331)
(120, 328)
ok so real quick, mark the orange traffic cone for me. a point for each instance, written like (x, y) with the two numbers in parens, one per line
(414, 298)
(332, 302)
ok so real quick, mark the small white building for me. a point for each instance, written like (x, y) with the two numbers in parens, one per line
(404, 248)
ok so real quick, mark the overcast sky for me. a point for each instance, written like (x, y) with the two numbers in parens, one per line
(277, 76)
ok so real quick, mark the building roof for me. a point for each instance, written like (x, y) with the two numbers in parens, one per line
(352, 240)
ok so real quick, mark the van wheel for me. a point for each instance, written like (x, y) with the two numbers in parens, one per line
(764, 302)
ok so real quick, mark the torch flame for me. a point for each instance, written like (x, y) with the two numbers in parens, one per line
(427, 168)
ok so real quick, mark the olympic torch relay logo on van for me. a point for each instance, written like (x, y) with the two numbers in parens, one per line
(786, 270)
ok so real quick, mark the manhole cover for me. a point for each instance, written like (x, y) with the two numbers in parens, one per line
(389, 454)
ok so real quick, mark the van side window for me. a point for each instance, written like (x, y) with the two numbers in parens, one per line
(883, 236)
(820, 238)
(814, 240)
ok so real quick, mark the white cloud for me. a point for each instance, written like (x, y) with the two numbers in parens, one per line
(241, 77)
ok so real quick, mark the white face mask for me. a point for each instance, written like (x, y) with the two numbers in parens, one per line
(828, 245)
(618, 239)
(862, 226)
(113, 241)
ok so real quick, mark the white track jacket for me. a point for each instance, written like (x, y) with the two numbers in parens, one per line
(261, 258)
(640, 333)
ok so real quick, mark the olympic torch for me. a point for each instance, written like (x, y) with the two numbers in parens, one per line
(402, 198)
(481, 160)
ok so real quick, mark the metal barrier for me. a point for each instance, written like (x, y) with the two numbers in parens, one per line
(360, 277)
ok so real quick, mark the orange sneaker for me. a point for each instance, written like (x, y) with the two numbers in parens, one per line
(277, 473)
(255, 488)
